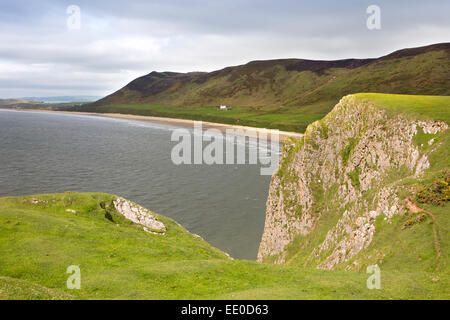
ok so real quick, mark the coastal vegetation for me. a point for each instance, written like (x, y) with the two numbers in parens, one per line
(40, 239)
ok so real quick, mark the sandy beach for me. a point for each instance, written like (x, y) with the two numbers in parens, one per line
(283, 135)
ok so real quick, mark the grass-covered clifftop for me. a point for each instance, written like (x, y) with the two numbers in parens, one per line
(286, 94)
(368, 184)
(40, 236)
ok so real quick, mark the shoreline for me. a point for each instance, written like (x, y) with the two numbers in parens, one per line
(186, 123)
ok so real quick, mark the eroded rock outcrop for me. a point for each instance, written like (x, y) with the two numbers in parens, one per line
(339, 177)
(140, 215)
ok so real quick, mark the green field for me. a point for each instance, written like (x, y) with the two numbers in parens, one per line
(39, 241)
(418, 106)
(264, 117)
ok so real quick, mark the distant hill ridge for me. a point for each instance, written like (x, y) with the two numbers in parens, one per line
(158, 82)
(284, 93)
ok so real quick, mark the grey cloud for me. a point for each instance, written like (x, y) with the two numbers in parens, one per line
(123, 39)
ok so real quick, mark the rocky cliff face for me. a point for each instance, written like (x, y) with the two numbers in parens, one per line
(337, 180)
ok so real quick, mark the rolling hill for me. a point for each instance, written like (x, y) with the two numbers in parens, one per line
(287, 94)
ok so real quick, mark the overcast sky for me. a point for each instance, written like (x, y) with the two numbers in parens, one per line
(120, 40)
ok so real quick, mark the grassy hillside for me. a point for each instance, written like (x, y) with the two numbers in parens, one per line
(417, 106)
(39, 239)
(286, 94)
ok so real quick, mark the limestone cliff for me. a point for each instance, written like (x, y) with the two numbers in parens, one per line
(334, 182)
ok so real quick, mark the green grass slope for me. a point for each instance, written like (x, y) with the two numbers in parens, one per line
(286, 94)
(15, 289)
(118, 260)
(417, 106)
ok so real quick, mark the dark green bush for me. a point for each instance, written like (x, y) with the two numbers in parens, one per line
(438, 192)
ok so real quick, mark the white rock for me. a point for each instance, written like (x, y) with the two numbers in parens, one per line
(373, 215)
(138, 214)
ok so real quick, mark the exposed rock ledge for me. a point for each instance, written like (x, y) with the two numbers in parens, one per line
(140, 215)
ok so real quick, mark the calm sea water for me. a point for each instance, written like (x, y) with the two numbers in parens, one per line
(49, 152)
